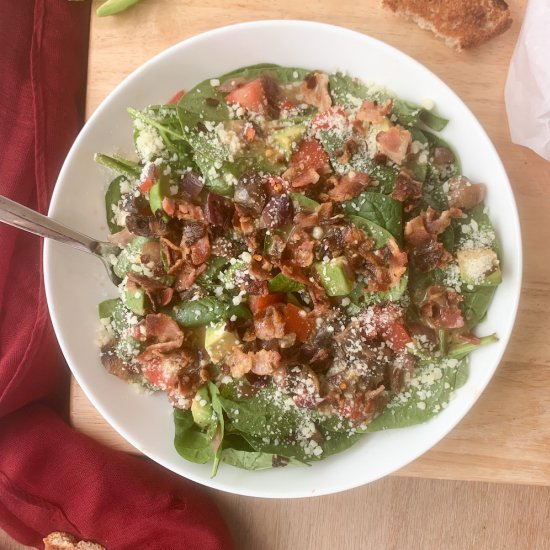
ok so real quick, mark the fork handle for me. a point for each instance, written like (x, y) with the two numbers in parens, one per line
(24, 218)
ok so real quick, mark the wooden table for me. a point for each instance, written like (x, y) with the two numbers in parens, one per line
(506, 437)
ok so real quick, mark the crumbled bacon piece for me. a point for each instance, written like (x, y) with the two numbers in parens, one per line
(314, 91)
(463, 193)
(200, 250)
(407, 190)
(394, 143)
(421, 238)
(263, 362)
(269, 323)
(373, 112)
(164, 332)
(440, 308)
(349, 186)
(299, 248)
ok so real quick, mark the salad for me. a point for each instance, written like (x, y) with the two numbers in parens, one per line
(301, 263)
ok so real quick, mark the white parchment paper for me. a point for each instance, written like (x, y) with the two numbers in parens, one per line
(527, 91)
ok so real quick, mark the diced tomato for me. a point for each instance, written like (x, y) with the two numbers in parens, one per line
(147, 184)
(161, 372)
(250, 96)
(259, 303)
(249, 134)
(169, 205)
(396, 335)
(328, 118)
(176, 97)
(310, 154)
(297, 321)
(286, 105)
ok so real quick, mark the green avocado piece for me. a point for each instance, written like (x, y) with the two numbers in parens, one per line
(218, 341)
(107, 308)
(201, 408)
(336, 276)
(285, 137)
(135, 300)
(479, 267)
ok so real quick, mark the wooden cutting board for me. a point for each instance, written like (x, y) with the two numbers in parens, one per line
(506, 436)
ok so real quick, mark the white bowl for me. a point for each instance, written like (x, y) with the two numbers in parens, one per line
(75, 283)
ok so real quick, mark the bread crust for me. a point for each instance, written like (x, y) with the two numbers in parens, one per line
(462, 23)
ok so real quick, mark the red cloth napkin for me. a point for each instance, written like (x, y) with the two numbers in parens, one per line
(51, 477)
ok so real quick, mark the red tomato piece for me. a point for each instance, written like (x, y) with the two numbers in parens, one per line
(310, 154)
(259, 303)
(250, 96)
(176, 97)
(297, 321)
(328, 118)
(396, 336)
(147, 184)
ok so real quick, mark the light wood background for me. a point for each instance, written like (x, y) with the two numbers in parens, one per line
(506, 437)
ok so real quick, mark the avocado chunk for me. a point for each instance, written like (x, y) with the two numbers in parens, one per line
(218, 341)
(286, 137)
(158, 192)
(479, 267)
(106, 308)
(135, 299)
(336, 276)
(201, 408)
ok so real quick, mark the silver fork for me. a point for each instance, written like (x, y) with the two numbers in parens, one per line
(20, 216)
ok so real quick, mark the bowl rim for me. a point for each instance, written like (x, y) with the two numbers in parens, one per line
(135, 74)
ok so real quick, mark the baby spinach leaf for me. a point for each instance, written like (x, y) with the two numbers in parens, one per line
(475, 304)
(122, 166)
(429, 392)
(347, 91)
(209, 278)
(380, 209)
(112, 198)
(281, 283)
(190, 441)
(379, 234)
(461, 350)
(253, 460)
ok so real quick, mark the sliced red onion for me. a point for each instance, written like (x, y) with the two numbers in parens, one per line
(250, 193)
(276, 211)
(218, 210)
(192, 184)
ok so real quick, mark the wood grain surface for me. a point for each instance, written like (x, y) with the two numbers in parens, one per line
(506, 436)
(390, 514)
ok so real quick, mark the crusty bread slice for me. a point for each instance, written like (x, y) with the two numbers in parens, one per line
(66, 541)
(462, 23)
